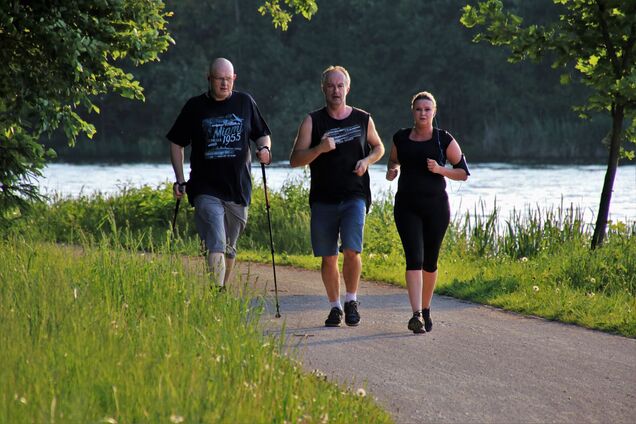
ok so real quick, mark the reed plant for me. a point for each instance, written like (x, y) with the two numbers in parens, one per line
(90, 333)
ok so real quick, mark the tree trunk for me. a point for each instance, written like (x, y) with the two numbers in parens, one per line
(618, 113)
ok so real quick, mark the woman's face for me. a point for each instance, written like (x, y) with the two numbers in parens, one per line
(423, 112)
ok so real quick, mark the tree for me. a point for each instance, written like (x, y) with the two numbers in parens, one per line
(282, 14)
(56, 57)
(594, 41)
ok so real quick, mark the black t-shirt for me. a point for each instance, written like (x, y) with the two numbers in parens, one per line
(332, 176)
(219, 132)
(415, 178)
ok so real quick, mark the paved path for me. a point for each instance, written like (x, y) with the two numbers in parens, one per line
(479, 364)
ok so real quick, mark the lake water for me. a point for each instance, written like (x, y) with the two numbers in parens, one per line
(505, 185)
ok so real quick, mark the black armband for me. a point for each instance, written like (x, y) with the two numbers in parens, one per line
(462, 164)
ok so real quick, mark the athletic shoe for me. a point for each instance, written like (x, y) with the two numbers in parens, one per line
(416, 324)
(216, 288)
(352, 317)
(335, 317)
(428, 322)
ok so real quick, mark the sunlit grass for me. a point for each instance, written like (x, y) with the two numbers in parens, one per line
(96, 334)
(481, 257)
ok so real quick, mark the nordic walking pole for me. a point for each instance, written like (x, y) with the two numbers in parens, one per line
(176, 212)
(271, 239)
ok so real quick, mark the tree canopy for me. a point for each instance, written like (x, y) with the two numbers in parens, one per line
(392, 48)
(593, 41)
(57, 57)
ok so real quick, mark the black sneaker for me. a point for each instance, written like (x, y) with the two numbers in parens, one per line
(352, 317)
(416, 324)
(217, 289)
(428, 322)
(335, 317)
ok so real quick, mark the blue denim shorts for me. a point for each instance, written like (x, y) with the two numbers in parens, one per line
(330, 221)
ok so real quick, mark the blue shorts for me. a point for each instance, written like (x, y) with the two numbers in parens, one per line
(332, 220)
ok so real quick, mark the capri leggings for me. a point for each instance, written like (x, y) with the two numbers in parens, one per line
(422, 223)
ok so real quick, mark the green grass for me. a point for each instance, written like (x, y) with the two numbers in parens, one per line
(96, 334)
(485, 258)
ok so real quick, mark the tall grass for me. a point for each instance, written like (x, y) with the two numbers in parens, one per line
(140, 219)
(93, 334)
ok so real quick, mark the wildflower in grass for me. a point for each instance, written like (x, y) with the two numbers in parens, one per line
(592, 280)
(590, 294)
(535, 288)
(361, 392)
(524, 259)
(174, 418)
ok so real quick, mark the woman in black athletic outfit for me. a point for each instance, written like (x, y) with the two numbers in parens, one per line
(421, 211)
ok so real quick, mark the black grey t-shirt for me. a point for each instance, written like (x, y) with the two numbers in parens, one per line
(332, 176)
(219, 132)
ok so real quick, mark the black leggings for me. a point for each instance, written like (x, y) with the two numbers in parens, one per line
(422, 223)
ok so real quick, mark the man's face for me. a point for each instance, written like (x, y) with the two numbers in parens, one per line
(221, 81)
(335, 88)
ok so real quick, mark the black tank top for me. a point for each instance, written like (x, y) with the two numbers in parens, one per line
(332, 176)
(415, 178)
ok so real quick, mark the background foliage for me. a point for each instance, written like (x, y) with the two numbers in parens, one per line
(56, 58)
(392, 48)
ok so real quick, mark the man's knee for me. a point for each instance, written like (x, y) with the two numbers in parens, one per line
(350, 254)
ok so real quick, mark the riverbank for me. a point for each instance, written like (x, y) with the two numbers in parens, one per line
(501, 186)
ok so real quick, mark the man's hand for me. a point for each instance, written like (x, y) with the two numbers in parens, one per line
(264, 155)
(179, 190)
(361, 167)
(391, 174)
(327, 144)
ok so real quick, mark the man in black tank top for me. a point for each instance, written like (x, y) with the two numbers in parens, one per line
(338, 142)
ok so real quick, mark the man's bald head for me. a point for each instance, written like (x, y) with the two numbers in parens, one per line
(221, 64)
(221, 77)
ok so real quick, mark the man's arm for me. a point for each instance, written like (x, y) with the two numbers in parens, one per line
(177, 157)
(376, 153)
(302, 154)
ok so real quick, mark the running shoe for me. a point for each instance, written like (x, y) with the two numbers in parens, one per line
(428, 322)
(335, 317)
(352, 317)
(416, 324)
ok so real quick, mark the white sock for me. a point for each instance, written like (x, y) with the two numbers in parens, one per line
(351, 296)
(336, 304)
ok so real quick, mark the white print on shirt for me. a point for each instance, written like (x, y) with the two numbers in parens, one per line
(342, 135)
(222, 135)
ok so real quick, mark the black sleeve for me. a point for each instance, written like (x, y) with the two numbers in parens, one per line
(181, 131)
(259, 127)
(446, 139)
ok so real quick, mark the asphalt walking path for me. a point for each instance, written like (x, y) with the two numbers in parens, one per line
(478, 365)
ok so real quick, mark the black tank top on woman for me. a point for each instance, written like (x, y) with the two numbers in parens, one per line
(415, 178)
(332, 176)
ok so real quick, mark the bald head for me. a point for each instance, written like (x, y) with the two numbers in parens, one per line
(221, 77)
(221, 64)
